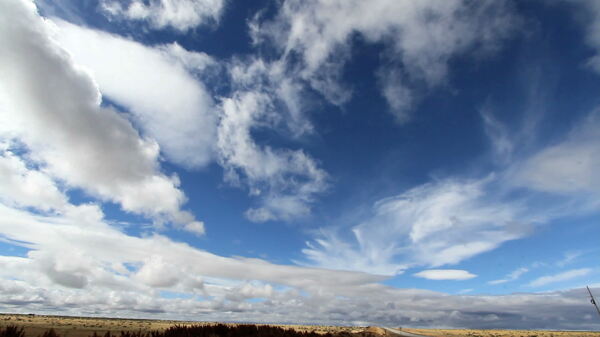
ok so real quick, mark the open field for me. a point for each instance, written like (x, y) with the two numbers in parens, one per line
(500, 333)
(36, 325)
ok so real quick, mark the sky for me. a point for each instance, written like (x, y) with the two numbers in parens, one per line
(387, 162)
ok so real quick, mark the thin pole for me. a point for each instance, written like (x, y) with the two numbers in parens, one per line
(593, 300)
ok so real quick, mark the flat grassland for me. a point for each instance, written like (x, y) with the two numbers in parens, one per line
(66, 326)
(500, 333)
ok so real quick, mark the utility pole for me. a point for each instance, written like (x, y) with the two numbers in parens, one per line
(593, 300)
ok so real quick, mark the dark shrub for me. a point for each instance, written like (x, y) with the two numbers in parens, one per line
(216, 330)
(12, 331)
(50, 333)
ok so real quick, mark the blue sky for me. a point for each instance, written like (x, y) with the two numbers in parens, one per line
(427, 163)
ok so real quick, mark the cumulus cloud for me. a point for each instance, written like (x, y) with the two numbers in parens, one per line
(435, 224)
(161, 87)
(181, 15)
(52, 106)
(564, 276)
(284, 89)
(68, 268)
(250, 290)
(156, 84)
(155, 272)
(70, 250)
(196, 227)
(23, 187)
(421, 37)
(286, 181)
(312, 40)
(76, 259)
(445, 274)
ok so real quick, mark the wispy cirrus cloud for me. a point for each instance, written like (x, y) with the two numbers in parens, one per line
(434, 224)
(569, 257)
(560, 277)
(589, 16)
(512, 276)
(451, 220)
(445, 274)
(568, 167)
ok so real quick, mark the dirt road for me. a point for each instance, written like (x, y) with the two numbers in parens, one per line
(403, 333)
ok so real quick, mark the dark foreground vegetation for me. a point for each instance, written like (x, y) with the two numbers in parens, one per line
(218, 330)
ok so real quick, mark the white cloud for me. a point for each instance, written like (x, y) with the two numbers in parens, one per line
(564, 276)
(501, 139)
(448, 221)
(445, 274)
(65, 128)
(251, 290)
(512, 276)
(569, 257)
(422, 37)
(570, 166)
(155, 84)
(27, 188)
(172, 107)
(68, 269)
(399, 97)
(73, 245)
(284, 90)
(155, 272)
(285, 181)
(160, 88)
(589, 14)
(182, 15)
(196, 227)
(435, 224)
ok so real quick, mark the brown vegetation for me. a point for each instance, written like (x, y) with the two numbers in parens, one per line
(64, 326)
(61, 326)
(500, 333)
(216, 330)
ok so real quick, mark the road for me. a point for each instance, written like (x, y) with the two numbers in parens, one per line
(403, 333)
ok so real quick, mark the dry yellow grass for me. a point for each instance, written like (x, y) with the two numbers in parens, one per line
(35, 325)
(500, 333)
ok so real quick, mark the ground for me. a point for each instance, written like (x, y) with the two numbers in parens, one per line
(35, 325)
(65, 326)
(501, 333)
